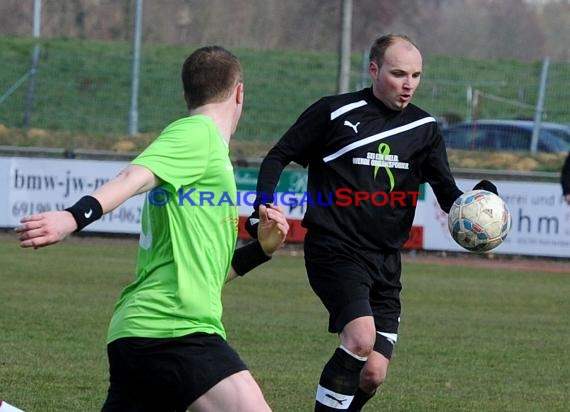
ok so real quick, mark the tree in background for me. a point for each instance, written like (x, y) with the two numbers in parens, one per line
(517, 29)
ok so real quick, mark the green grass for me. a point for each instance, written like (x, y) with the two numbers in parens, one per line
(84, 86)
(470, 339)
(82, 95)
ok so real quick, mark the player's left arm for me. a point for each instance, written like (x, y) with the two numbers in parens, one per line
(271, 233)
(436, 171)
(48, 228)
(299, 144)
(438, 175)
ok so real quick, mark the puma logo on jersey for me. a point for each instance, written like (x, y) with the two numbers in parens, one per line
(353, 126)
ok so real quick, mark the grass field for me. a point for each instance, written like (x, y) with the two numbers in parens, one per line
(84, 86)
(470, 339)
(83, 90)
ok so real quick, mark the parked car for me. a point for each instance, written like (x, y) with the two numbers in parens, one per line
(506, 135)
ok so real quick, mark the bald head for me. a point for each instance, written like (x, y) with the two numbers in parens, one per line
(395, 68)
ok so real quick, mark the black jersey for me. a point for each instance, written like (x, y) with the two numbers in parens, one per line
(354, 145)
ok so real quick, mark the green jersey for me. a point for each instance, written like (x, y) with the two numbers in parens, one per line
(188, 235)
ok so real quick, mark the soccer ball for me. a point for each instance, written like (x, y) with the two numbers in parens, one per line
(479, 221)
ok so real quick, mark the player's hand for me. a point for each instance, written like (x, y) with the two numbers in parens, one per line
(252, 223)
(272, 228)
(567, 198)
(486, 185)
(45, 229)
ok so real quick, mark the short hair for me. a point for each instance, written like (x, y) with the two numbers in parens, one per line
(381, 44)
(209, 75)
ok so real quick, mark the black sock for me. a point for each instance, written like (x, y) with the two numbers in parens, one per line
(360, 399)
(339, 381)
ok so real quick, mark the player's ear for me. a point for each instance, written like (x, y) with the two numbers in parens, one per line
(239, 93)
(373, 69)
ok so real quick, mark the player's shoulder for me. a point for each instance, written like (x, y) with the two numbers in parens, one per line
(420, 121)
(413, 114)
(416, 113)
(346, 101)
(197, 121)
(196, 126)
(346, 97)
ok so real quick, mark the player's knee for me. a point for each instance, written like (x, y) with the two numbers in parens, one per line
(374, 372)
(360, 347)
(372, 378)
(360, 342)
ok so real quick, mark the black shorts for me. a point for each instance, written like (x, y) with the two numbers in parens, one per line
(166, 374)
(352, 283)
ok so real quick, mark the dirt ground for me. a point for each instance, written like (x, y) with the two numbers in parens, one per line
(507, 262)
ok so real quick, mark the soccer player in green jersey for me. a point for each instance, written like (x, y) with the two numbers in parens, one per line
(166, 343)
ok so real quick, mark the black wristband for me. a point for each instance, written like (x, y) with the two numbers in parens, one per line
(248, 257)
(86, 211)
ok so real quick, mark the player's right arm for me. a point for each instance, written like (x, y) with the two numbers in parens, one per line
(269, 173)
(298, 145)
(272, 231)
(48, 228)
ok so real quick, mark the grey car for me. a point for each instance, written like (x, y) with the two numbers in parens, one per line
(506, 135)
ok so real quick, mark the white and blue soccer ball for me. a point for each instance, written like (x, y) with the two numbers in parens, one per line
(479, 221)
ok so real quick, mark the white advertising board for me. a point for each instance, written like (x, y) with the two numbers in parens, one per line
(540, 220)
(39, 185)
(4, 190)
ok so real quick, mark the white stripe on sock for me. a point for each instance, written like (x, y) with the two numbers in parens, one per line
(355, 356)
(332, 399)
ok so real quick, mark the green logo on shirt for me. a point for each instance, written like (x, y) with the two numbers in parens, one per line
(384, 151)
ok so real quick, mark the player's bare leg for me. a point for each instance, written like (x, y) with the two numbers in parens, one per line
(236, 393)
(359, 335)
(374, 372)
(341, 375)
(371, 377)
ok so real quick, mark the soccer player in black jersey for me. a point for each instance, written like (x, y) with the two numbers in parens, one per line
(367, 153)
